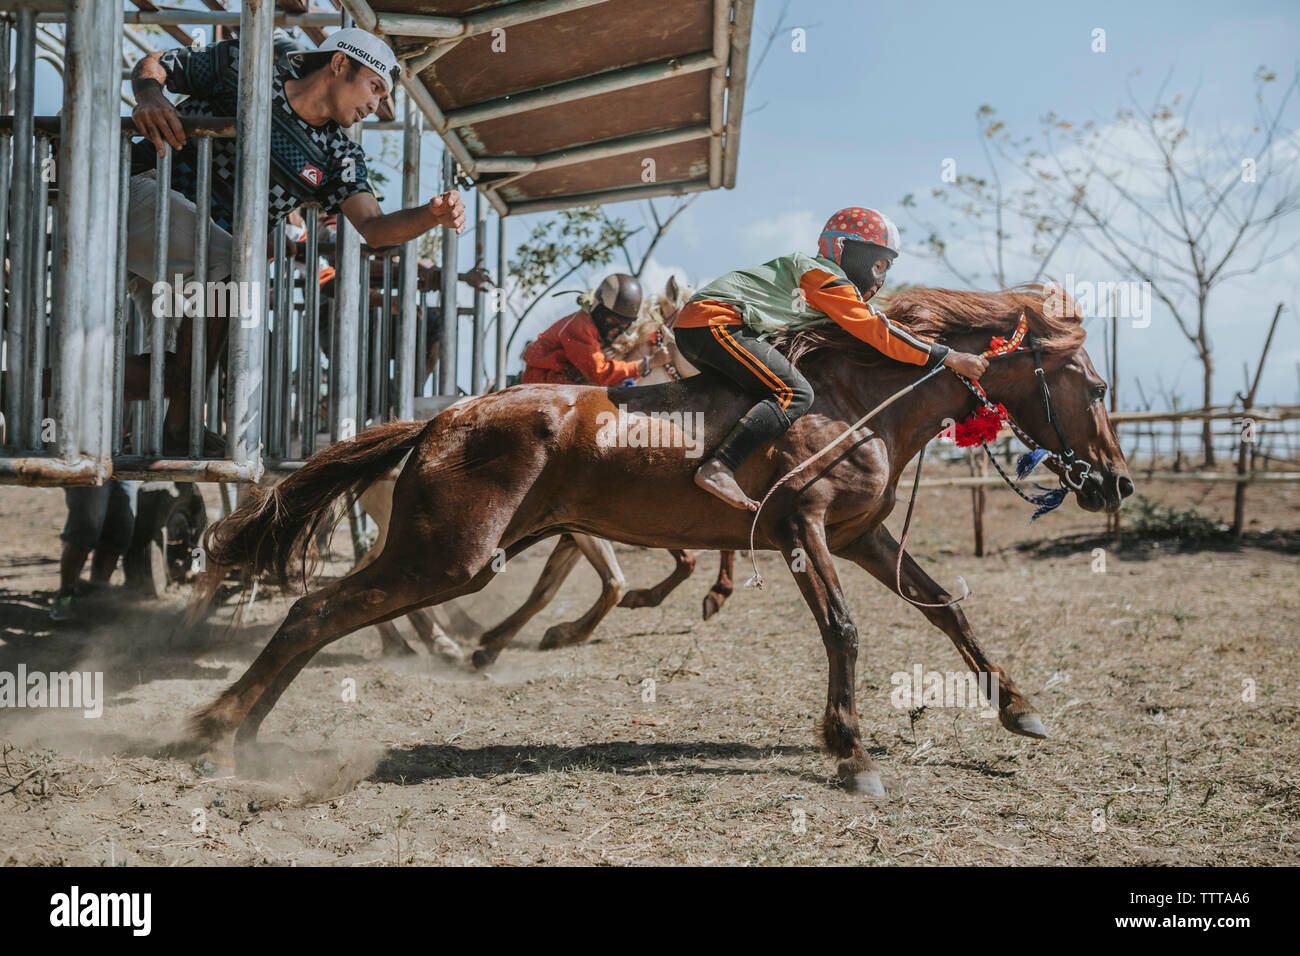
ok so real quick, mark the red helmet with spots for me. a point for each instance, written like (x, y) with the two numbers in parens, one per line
(860, 224)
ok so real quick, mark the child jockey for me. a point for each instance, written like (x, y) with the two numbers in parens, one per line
(572, 350)
(724, 325)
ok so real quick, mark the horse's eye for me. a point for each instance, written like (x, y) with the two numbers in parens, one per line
(1098, 393)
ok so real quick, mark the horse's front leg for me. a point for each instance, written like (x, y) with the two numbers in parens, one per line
(601, 555)
(877, 552)
(805, 550)
(562, 560)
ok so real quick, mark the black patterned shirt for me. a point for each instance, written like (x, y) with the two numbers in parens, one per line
(308, 163)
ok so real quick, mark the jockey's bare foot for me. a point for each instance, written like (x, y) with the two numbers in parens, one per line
(718, 480)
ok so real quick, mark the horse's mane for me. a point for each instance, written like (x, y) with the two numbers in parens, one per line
(939, 314)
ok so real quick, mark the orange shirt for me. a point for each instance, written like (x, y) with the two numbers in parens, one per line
(572, 346)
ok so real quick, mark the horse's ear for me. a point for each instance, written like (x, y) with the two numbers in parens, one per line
(672, 289)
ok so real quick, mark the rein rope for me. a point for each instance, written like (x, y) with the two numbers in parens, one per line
(987, 413)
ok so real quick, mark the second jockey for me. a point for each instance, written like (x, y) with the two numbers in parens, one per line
(573, 349)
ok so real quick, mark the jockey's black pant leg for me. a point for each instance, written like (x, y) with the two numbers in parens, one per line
(737, 352)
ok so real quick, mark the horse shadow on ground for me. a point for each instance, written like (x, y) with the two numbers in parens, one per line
(1135, 547)
(429, 762)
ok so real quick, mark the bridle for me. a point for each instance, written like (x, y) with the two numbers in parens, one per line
(1020, 340)
(1074, 471)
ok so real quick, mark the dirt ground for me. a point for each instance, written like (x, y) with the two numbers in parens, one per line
(1167, 682)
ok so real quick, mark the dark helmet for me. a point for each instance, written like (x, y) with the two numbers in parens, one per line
(620, 293)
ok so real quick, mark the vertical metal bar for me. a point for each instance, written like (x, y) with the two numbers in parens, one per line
(387, 338)
(283, 344)
(299, 387)
(107, 198)
(158, 340)
(366, 343)
(6, 162)
(39, 286)
(448, 359)
(501, 302)
(87, 210)
(275, 377)
(16, 388)
(135, 345)
(478, 383)
(421, 342)
(122, 301)
(376, 390)
(410, 356)
(199, 336)
(244, 388)
(311, 299)
(346, 331)
(313, 368)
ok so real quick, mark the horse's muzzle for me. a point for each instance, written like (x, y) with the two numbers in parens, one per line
(1104, 490)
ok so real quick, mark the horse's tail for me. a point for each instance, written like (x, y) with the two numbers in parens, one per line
(279, 522)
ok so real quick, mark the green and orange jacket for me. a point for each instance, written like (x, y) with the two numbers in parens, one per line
(798, 291)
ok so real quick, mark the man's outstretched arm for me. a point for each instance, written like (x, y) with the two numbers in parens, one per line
(381, 229)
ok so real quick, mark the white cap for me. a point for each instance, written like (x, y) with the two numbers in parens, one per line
(366, 49)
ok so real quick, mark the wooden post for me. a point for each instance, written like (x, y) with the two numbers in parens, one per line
(977, 497)
(1246, 460)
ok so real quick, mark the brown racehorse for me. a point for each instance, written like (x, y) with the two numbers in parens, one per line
(491, 476)
(651, 330)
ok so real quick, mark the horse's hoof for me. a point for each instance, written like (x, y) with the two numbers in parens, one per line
(865, 782)
(712, 605)
(481, 659)
(448, 649)
(1026, 724)
(558, 635)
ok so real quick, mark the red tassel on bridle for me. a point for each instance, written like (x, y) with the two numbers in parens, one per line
(983, 426)
(985, 423)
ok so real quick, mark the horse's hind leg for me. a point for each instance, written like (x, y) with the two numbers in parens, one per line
(654, 596)
(378, 592)
(601, 555)
(394, 645)
(558, 567)
(722, 587)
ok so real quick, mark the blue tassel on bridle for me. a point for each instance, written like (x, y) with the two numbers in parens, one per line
(1029, 461)
(1050, 500)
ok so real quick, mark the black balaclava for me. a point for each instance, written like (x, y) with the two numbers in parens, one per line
(609, 325)
(858, 260)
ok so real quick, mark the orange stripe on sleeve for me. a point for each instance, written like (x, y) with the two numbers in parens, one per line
(704, 312)
(839, 299)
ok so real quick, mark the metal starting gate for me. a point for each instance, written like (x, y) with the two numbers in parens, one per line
(299, 371)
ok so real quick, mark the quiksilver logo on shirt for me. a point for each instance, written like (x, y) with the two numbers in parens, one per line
(312, 174)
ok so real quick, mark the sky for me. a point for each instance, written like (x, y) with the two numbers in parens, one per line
(886, 91)
(883, 93)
